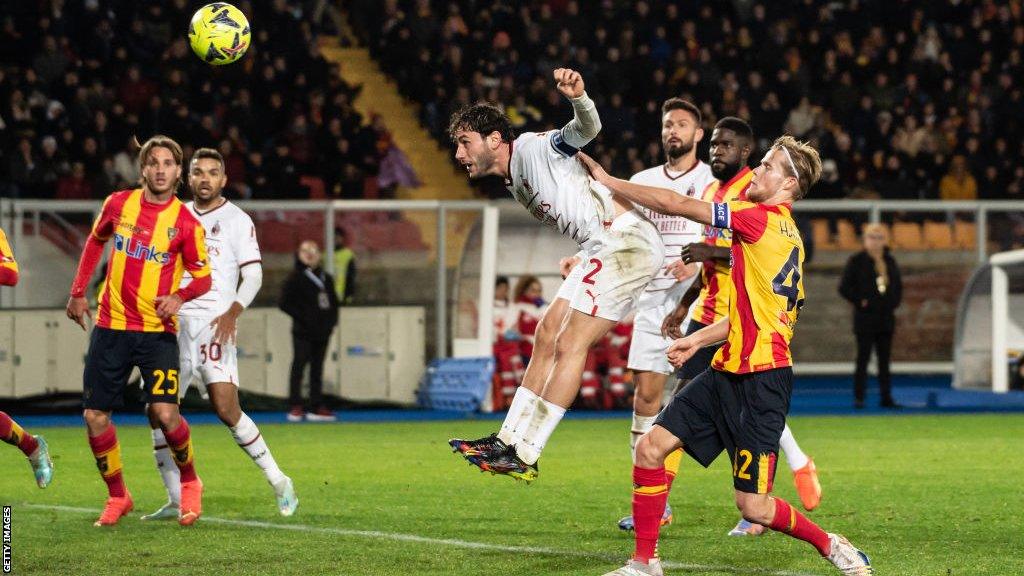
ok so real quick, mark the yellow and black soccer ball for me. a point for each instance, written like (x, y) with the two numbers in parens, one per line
(219, 33)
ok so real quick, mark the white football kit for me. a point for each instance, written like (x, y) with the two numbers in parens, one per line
(231, 245)
(619, 256)
(648, 347)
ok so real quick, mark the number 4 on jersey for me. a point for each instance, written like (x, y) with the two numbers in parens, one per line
(790, 272)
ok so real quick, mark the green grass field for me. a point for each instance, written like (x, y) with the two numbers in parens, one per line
(922, 495)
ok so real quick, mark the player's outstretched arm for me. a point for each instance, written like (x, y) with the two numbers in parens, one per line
(585, 123)
(660, 200)
(684, 348)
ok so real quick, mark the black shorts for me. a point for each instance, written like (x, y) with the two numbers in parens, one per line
(743, 414)
(700, 361)
(111, 357)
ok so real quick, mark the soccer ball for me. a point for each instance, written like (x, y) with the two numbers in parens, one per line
(219, 33)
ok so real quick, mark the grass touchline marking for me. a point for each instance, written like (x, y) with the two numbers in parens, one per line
(455, 543)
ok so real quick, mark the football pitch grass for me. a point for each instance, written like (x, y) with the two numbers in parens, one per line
(922, 495)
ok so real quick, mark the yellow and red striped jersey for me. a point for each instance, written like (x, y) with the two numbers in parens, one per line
(767, 286)
(8, 265)
(153, 246)
(713, 301)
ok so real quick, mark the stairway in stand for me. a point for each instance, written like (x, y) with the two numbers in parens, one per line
(433, 165)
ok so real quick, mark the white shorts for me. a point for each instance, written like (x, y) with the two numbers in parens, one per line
(648, 352)
(203, 361)
(616, 267)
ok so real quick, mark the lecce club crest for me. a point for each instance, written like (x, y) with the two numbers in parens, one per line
(171, 233)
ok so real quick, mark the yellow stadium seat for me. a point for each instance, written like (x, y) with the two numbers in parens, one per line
(822, 236)
(846, 236)
(938, 235)
(965, 234)
(907, 236)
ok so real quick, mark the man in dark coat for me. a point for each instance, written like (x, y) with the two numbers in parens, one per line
(309, 298)
(872, 283)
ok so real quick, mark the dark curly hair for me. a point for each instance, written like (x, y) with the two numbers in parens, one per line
(483, 118)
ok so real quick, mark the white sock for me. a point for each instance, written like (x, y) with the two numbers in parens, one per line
(519, 415)
(248, 437)
(641, 425)
(794, 455)
(169, 472)
(545, 419)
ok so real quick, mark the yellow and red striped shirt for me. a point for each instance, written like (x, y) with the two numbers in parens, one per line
(153, 246)
(713, 300)
(767, 286)
(8, 265)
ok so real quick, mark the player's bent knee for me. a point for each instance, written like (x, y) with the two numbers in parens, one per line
(648, 455)
(96, 420)
(756, 508)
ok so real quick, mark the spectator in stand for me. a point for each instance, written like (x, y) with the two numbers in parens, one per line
(958, 183)
(505, 342)
(528, 306)
(344, 267)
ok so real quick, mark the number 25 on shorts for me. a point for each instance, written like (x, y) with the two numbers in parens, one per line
(160, 378)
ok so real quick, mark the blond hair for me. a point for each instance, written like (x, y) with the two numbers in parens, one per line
(804, 158)
(881, 268)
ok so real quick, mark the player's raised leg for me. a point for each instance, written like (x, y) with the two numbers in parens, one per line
(33, 447)
(224, 397)
(524, 402)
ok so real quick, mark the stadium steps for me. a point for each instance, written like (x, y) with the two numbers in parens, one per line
(432, 163)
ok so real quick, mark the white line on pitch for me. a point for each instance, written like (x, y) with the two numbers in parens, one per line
(454, 543)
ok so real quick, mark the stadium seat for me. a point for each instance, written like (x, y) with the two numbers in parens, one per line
(965, 234)
(821, 234)
(907, 236)
(938, 235)
(315, 185)
(846, 236)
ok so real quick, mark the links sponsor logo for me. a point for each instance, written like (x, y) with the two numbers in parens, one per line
(717, 233)
(136, 249)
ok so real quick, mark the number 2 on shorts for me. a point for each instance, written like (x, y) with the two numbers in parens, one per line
(589, 278)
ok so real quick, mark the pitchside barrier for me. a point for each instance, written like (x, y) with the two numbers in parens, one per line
(444, 256)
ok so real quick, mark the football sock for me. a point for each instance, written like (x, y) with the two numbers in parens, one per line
(672, 466)
(650, 492)
(789, 521)
(519, 415)
(795, 457)
(641, 425)
(546, 417)
(107, 451)
(180, 441)
(248, 438)
(165, 465)
(15, 435)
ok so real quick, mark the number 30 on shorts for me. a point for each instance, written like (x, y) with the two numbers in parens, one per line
(212, 352)
(170, 377)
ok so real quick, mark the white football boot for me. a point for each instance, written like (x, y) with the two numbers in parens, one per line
(636, 568)
(847, 558)
(287, 501)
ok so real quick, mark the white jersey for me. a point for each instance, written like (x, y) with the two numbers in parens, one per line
(231, 244)
(546, 178)
(675, 231)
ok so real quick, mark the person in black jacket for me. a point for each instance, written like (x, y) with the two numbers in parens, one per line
(309, 298)
(871, 282)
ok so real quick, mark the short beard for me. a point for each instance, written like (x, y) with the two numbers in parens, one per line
(676, 152)
(726, 173)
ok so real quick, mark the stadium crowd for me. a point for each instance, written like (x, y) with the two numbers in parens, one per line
(80, 81)
(905, 99)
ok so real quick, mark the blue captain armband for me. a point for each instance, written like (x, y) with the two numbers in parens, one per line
(720, 215)
(561, 146)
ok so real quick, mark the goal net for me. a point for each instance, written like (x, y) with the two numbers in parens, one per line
(989, 337)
